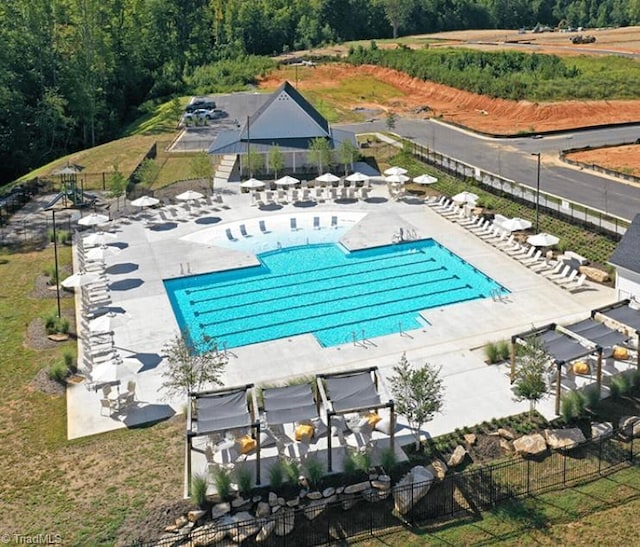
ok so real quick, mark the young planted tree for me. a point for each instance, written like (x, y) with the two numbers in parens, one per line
(117, 184)
(347, 154)
(254, 161)
(418, 393)
(319, 153)
(391, 120)
(192, 366)
(148, 172)
(531, 363)
(201, 167)
(276, 160)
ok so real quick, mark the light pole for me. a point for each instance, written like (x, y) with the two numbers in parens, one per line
(537, 193)
(55, 257)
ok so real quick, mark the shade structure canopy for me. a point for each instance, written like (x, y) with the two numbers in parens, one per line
(108, 322)
(94, 219)
(625, 315)
(100, 253)
(289, 404)
(598, 333)
(395, 170)
(328, 177)
(542, 240)
(397, 179)
(189, 195)
(354, 391)
(252, 184)
(218, 412)
(515, 224)
(465, 197)
(145, 201)
(287, 180)
(80, 279)
(357, 177)
(424, 179)
(68, 169)
(115, 370)
(563, 348)
(98, 238)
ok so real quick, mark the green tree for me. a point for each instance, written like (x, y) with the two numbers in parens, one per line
(201, 167)
(117, 184)
(148, 172)
(254, 161)
(276, 160)
(418, 393)
(390, 120)
(176, 110)
(531, 364)
(192, 366)
(397, 13)
(347, 154)
(319, 153)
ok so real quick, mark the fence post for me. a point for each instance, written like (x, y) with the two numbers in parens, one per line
(600, 457)
(564, 468)
(528, 475)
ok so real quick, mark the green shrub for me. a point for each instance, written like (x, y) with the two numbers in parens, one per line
(350, 467)
(64, 237)
(50, 272)
(572, 406)
(291, 469)
(222, 481)
(315, 471)
(69, 361)
(58, 372)
(388, 459)
(491, 352)
(276, 475)
(592, 397)
(620, 385)
(50, 322)
(244, 480)
(504, 350)
(199, 485)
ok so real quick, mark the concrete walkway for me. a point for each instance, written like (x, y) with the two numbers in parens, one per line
(475, 391)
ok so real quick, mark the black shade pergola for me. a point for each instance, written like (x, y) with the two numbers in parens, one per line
(622, 314)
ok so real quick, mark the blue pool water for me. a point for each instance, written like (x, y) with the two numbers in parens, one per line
(327, 291)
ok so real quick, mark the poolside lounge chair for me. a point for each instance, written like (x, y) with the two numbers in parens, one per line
(577, 284)
(295, 196)
(334, 221)
(263, 227)
(554, 270)
(564, 272)
(531, 261)
(293, 223)
(282, 197)
(306, 195)
(364, 192)
(333, 194)
(567, 279)
(316, 223)
(270, 198)
(320, 194)
(523, 252)
(230, 236)
(243, 231)
(504, 242)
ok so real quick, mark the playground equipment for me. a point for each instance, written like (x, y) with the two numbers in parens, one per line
(70, 193)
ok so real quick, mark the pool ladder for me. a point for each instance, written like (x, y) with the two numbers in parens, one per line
(497, 296)
(364, 342)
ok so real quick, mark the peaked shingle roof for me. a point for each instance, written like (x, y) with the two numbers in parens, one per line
(287, 114)
(627, 253)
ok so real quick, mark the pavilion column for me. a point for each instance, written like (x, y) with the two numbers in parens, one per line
(638, 351)
(512, 376)
(258, 456)
(558, 387)
(599, 373)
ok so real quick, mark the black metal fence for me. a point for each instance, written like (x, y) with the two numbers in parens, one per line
(459, 496)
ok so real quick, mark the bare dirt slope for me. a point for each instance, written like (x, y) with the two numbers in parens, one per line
(625, 159)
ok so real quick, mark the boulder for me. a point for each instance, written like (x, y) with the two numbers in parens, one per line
(238, 502)
(315, 509)
(196, 515)
(380, 484)
(601, 430)
(328, 492)
(505, 446)
(357, 487)
(530, 445)
(281, 502)
(273, 499)
(284, 520)
(594, 274)
(412, 488)
(219, 510)
(209, 534)
(470, 438)
(373, 495)
(181, 521)
(244, 526)
(294, 502)
(438, 469)
(263, 509)
(265, 531)
(506, 434)
(563, 439)
(315, 495)
(629, 426)
(457, 457)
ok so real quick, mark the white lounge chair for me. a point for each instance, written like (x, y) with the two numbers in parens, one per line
(334, 221)
(263, 227)
(316, 223)
(293, 223)
(564, 272)
(554, 270)
(577, 284)
(568, 279)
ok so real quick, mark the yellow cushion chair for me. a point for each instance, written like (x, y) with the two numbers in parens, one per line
(620, 354)
(581, 368)
(304, 433)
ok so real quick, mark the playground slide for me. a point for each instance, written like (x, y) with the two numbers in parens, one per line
(55, 200)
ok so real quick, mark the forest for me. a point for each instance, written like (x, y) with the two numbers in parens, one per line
(74, 73)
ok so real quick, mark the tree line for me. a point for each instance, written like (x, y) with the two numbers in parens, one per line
(73, 73)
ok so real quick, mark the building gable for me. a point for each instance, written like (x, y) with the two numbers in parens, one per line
(287, 114)
(627, 253)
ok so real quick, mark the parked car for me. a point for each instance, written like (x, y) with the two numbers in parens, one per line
(200, 103)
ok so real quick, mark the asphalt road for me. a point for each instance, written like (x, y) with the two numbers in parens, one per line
(513, 158)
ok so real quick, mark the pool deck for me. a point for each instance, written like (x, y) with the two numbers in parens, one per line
(454, 338)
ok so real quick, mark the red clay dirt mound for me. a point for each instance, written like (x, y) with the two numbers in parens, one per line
(478, 112)
(625, 159)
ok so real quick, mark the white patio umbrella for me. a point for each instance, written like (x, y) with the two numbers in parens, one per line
(108, 322)
(328, 177)
(357, 177)
(94, 219)
(98, 238)
(395, 171)
(115, 370)
(99, 253)
(80, 279)
(189, 195)
(145, 201)
(515, 224)
(287, 181)
(465, 197)
(397, 179)
(543, 240)
(424, 179)
(252, 184)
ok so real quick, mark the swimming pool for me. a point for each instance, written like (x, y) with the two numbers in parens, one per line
(325, 290)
